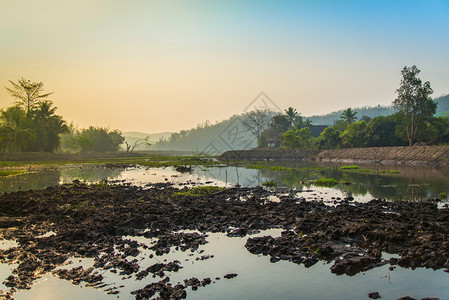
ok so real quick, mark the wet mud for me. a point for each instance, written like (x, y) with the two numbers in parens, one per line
(91, 221)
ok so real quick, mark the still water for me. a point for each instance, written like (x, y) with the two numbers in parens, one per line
(411, 183)
(257, 278)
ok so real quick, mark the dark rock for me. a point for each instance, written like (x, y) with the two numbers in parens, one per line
(374, 295)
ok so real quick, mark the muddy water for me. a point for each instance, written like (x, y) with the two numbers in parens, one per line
(257, 278)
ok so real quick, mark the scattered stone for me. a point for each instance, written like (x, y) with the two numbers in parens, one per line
(229, 276)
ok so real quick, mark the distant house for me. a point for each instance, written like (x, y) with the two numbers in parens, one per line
(271, 143)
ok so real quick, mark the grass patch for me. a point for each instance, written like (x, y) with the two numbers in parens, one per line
(329, 182)
(371, 171)
(266, 166)
(11, 173)
(154, 161)
(199, 191)
(358, 169)
(270, 183)
(351, 167)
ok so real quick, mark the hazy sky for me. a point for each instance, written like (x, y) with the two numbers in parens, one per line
(156, 66)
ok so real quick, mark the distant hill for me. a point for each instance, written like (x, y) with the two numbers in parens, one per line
(371, 112)
(209, 139)
(443, 105)
(132, 137)
(230, 134)
(329, 119)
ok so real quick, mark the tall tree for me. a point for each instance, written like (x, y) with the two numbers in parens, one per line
(13, 121)
(349, 116)
(414, 102)
(47, 126)
(297, 138)
(354, 135)
(280, 124)
(293, 116)
(28, 93)
(256, 122)
(329, 138)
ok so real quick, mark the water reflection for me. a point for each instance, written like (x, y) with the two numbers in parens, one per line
(412, 183)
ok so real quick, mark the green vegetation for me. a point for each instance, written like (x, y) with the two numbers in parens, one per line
(11, 173)
(270, 183)
(263, 165)
(81, 206)
(199, 191)
(32, 125)
(93, 139)
(416, 107)
(350, 167)
(327, 182)
(381, 132)
(349, 116)
(357, 169)
(413, 122)
(443, 196)
(152, 161)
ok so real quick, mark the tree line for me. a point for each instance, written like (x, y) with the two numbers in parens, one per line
(414, 122)
(32, 125)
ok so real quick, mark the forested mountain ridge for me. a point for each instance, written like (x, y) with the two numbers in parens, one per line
(230, 134)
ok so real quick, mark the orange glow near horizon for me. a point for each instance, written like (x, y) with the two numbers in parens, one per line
(157, 66)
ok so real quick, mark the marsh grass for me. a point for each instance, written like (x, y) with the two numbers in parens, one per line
(326, 182)
(11, 173)
(270, 183)
(154, 161)
(348, 168)
(265, 166)
(199, 191)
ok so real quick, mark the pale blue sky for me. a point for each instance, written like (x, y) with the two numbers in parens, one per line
(167, 65)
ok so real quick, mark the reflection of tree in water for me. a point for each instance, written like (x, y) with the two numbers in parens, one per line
(403, 186)
(89, 173)
(30, 181)
(51, 177)
(233, 175)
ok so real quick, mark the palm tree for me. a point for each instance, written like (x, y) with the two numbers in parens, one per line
(48, 126)
(349, 116)
(13, 121)
(292, 115)
(28, 93)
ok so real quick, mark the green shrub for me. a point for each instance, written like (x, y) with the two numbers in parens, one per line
(199, 191)
(270, 183)
(325, 182)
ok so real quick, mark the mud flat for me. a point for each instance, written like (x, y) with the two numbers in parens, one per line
(91, 221)
(436, 156)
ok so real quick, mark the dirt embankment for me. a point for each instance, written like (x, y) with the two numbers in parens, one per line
(414, 156)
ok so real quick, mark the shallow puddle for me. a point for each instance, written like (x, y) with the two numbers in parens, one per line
(257, 278)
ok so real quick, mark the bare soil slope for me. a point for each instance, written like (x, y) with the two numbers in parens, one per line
(416, 155)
